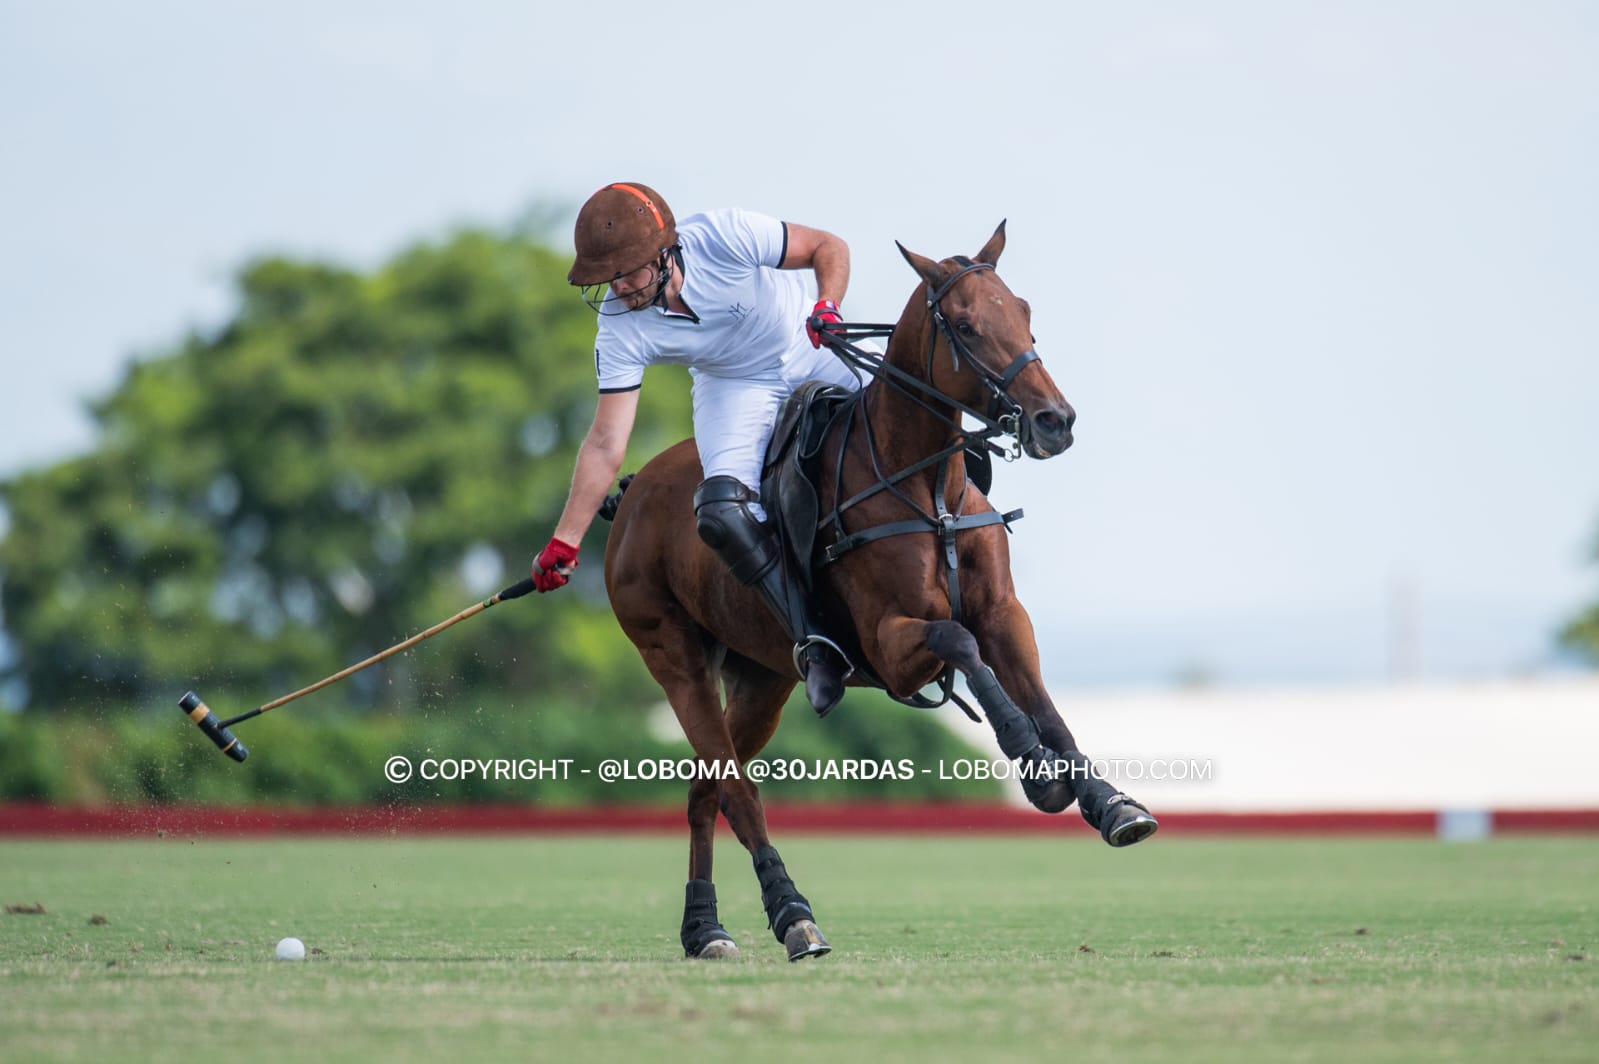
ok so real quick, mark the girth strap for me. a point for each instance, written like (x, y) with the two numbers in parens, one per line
(946, 527)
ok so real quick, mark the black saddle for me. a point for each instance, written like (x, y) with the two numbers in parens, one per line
(789, 477)
(793, 465)
(790, 497)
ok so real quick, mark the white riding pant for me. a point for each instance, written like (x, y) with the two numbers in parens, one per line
(733, 416)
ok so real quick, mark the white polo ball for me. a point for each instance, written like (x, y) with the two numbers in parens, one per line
(291, 949)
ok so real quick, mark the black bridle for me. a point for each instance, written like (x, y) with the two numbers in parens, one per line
(1003, 416)
(1003, 411)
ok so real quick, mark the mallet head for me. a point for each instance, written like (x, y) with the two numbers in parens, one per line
(201, 714)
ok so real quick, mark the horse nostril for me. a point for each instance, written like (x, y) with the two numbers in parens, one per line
(1051, 425)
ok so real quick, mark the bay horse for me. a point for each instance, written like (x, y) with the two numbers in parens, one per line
(916, 605)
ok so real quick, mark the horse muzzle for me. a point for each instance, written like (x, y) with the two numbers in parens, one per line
(1048, 432)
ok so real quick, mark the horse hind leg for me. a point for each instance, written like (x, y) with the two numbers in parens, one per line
(755, 697)
(702, 934)
(1050, 780)
(683, 662)
(788, 913)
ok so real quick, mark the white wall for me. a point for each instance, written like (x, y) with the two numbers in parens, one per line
(1513, 745)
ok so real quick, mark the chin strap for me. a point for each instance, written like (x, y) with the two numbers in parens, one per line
(668, 257)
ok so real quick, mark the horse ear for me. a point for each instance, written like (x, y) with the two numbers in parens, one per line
(930, 271)
(996, 244)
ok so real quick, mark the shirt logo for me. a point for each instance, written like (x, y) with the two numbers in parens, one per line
(739, 311)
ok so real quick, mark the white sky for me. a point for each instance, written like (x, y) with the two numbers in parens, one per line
(1320, 279)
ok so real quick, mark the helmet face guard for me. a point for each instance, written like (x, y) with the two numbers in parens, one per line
(603, 298)
(623, 228)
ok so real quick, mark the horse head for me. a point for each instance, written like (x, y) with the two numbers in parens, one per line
(980, 353)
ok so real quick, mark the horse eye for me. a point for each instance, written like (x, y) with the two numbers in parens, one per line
(964, 328)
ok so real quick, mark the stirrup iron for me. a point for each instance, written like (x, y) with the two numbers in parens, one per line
(820, 640)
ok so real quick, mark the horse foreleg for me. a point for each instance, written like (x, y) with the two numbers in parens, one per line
(1054, 772)
(1007, 636)
(917, 647)
(1018, 734)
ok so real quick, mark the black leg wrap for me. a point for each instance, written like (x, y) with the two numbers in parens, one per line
(1093, 793)
(784, 903)
(1119, 819)
(700, 924)
(1044, 780)
(1015, 730)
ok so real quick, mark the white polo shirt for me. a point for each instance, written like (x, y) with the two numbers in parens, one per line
(748, 316)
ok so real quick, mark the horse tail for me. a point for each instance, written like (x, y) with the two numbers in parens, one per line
(608, 507)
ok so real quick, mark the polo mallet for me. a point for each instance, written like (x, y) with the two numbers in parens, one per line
(218, 730)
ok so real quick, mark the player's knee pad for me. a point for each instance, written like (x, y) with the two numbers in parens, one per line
(723, 520)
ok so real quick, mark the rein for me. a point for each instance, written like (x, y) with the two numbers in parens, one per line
(1003, 417)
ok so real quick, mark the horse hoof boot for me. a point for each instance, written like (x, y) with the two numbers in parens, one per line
(804, 939)
(717, 949)
(1131, 823)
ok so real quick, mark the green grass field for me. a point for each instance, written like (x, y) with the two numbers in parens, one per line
(949, 949)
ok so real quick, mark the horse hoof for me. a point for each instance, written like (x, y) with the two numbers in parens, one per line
(1133, 823)
(804, 939)
(717, 949)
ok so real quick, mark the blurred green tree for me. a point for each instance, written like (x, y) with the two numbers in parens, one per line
(351, 458)
(1581, 633)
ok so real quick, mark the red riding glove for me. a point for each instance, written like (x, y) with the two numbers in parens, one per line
(553, 565)
(824, 313)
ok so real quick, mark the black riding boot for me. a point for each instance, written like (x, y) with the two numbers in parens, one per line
(724, 521)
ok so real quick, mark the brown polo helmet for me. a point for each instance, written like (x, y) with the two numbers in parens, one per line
(622, 226)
